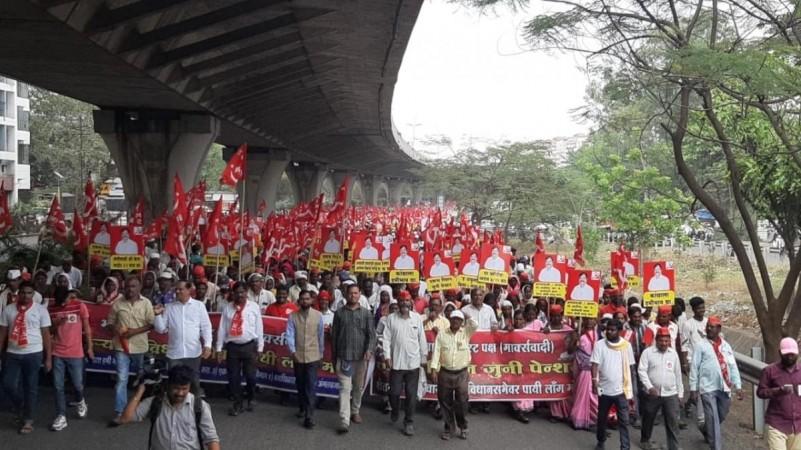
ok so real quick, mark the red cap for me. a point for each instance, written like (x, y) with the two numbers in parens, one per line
(665, 309)
(324, 295)
(436, 295)
(622, 309)
(405, 295)
(346, 265)
(714, 321)
(523, 276)
(663, 331)
(198, 271)
(452, 292)
(556, 309)
(414, 285)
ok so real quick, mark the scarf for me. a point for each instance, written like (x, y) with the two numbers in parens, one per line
(622, 346)
(19, 333)
(236, 322)
(724, 367)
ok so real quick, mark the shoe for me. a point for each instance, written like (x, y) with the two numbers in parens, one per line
(236, 410)
(520, 417)
(343, 428)
(115, 422)
(356, 418)
(463, 435)
(59, 424)
(309, 424)
(408, 429)
(648, 446)
(387, 408)
(445, 435)
(82, 409)
(393, 416)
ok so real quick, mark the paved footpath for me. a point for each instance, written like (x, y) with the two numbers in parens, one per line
(273, 426)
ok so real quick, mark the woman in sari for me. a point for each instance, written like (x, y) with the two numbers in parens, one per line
(584, 413)
(109, 291)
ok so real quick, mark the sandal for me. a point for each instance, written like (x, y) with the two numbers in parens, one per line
(445, 436)
(27, 428)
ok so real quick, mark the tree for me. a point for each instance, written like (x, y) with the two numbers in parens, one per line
(63, 140)
(698, 62)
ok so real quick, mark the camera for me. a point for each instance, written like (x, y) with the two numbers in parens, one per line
(151, 372)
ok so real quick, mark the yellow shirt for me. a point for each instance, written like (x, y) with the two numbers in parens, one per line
(135, 314)
(440, 323)
(452, 350)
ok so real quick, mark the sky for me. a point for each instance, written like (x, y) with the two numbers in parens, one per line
(468, 76)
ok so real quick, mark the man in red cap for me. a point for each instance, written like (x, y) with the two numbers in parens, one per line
(663, 316)
(660, 375)
(713, 376)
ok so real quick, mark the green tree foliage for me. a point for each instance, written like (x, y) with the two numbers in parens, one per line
(63, 140)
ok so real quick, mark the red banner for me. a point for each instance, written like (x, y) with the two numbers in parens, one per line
(508, 366)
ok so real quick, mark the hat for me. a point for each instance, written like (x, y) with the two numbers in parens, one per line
(622, 310)
(436, 295)
(714, 321)
(449, 303)
(456, 314)
(788, 346)
(663, 331)
(404, 295)
(199, 271)
(300, 274)
(346, 265)
(348, 282)
(166, 275)
(636, 305)
(506, 303)
(453, 292)
(524, 276)
(255, 277)
(555, 309)
(13, 274)
(324, 295)
(664, 309)
(607, 316)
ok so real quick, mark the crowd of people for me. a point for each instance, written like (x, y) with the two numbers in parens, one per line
(629, 364)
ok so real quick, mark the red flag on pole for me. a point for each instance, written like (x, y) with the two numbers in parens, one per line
(212, 237)
(138, 219)
(180, 204)
(174, 246)
(90, 201)
(578, 254)
(79, 235)
(6, 220)
(538, 244)
(235, 170)
(55, 221)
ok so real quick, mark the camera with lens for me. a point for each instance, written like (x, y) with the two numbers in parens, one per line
(151, 372)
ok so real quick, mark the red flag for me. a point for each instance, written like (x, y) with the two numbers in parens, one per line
(90, 201)
(212, 237)
(174, 246)
(138, 219)
(340, 202)
(155, 228)
(235, 170)
(55, 221)
(6, 220)
(578, 254)
(79, 235)
(538, 244)
(262, 207)
(180, 203)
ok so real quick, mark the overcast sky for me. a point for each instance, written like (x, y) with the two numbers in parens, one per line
(467, 76)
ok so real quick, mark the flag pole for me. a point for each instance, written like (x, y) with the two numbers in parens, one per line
(241, 227)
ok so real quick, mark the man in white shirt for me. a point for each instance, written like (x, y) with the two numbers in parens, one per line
(340, 300)
(403, 261)
(301, 284)
(368, 251)
(12, 292)
(126, 246)
(405, 350)
(73, 273)
(188, 327)
(660, 373)
(25, 326)
(582, 291)
(332, 245)
(241, 332)
(549, 274)
(495, 262)
(613, 381)
(439, 269)
(691, 333)
(257, 294)
(471, 268)
(480, 312)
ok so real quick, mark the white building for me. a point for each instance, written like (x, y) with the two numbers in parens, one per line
(15, 138)
(560, 148)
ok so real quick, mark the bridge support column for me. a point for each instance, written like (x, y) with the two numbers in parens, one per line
(417, 190)
(307, 180)
(150, 147)
(265, 167)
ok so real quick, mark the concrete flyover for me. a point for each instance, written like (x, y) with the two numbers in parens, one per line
(308, 82)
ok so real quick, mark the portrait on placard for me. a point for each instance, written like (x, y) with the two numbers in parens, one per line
(437, 265)
(583, 285)
(100, 234)
(386, 242)
(457, 248)
(469, 263)
(402, 257)
(550, 268)
(125, 242)
(495, 258)
(658, 276)
(331, 241)
(365, 248)
(626, 264)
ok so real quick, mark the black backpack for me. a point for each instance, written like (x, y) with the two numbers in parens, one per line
(155, 410)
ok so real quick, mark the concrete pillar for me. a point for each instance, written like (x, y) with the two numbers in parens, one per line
(307, 180)
(417, 189)
(400, 192)
(380, 191)
(150, 147)
(265, 167)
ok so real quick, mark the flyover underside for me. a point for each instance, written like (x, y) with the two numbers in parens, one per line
(311, 76)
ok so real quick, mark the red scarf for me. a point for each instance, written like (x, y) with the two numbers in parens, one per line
(20, 331)
(236, 322)
(724, 367)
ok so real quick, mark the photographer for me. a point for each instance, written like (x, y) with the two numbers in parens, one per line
(176, 420)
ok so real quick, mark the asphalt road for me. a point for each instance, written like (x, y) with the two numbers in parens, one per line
(274, 426)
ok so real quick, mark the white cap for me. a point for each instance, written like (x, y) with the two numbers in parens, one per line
(636, 305)
(607, 316)
(13, 274)
(348, 282)
(507, 303)
(457, 313)
(301, 274)
(166, 275)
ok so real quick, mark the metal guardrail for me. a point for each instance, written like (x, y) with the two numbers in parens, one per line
(751, 370)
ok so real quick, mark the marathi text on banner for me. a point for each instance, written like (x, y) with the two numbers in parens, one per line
(658, 298)
(493, 276)
(441, 283)
(210, 260)
(555, 290)
(404, 276)
(329, 261)
(370, 266)
(633, 281)
(581, 308)
(469, 282)
(100, 250)
(127, 262)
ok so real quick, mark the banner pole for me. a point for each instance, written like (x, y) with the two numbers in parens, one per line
(241, 228)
